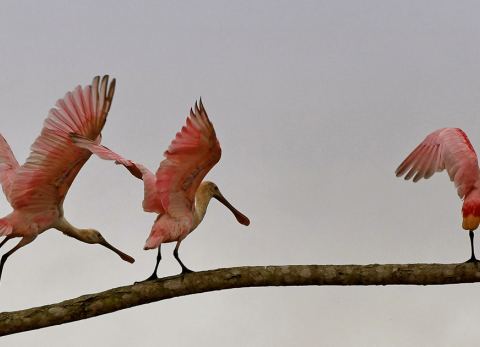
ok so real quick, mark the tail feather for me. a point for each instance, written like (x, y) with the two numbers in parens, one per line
(5, 227)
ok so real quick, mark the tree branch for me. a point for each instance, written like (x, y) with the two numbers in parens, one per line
(120, 298)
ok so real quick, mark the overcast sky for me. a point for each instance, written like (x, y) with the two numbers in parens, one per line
(315, 103)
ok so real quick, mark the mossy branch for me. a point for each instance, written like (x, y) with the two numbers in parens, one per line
(120, 298)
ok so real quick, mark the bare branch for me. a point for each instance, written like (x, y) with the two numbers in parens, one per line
(255, 276)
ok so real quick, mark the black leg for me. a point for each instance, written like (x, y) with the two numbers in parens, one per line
(24, 241)
(472, 258)
(175, 254)
(159, 257)
(4, 241)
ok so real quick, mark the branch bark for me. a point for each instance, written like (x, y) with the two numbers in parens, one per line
(120, 298)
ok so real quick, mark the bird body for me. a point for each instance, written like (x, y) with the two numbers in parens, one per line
(449, 149)
(36, 190)
(169, 229)
(176, 191)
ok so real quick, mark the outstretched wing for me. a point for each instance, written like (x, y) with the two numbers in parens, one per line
(151, 202)
(8, 165)
(447, 148)
(193, 152)
(43, 181)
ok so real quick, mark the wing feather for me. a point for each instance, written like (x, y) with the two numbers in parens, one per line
(8, 166)
(191, 154)
(430, 166)
(151, 200)
(447, 148)
(43, 181)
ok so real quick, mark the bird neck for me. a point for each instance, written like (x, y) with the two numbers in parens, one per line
(68, 229)
(202, 199)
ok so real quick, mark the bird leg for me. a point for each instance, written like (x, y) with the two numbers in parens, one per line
(5, 241)
(154, 274)
(175, 254)
(472, 258)
(24, 241)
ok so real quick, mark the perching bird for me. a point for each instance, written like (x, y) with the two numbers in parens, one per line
(176, 192)
(36, 190)
(450, 149)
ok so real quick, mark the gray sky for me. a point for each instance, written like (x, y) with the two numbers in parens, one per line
(315, 103)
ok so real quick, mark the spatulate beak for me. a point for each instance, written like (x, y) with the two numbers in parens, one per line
(122, 255)
(241, 218)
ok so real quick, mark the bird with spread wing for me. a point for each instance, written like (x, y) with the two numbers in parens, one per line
(449, 149)
(36, 190)
(176, 192)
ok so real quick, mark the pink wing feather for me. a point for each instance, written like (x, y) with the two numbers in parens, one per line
(447, 148)
(193, 152)
(101, 151)
(151, 202)
(43, 181)
(8, 166)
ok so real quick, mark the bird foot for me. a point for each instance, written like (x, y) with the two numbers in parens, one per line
(472, 260)
(151, 278)
(186, 270)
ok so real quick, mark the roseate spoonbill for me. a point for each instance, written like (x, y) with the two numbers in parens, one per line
(176, 192)
(450, 149)
(36, 190)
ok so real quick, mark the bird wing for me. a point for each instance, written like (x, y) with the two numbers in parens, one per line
(43, 181)
(6, 228)
(151, 202)
(447, 148)
(8, 165)
(193, 152)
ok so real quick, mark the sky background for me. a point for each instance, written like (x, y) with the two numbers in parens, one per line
(315, 103)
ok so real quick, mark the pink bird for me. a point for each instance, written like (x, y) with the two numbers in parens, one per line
(176, 192)
(36, 190)
(450, 149)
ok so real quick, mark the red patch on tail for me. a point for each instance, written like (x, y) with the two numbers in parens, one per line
(471, 208)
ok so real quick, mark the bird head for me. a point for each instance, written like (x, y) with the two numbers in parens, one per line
(93, 236)
(212, 190)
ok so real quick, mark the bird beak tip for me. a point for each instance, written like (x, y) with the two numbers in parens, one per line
(122, 255)
(245, 221)
(129, 259)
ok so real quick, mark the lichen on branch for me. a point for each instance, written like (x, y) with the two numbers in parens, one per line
(120, 298)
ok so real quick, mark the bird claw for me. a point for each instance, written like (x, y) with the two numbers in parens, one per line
(472, 260)
(186, 270)
(151, 278)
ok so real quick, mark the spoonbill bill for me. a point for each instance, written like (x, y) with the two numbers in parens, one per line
(450, 149)
(176, 192)
(36, 190)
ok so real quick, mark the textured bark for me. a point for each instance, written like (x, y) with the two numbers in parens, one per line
(121, 298)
